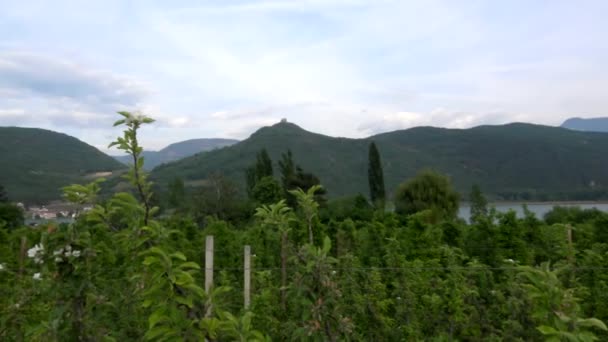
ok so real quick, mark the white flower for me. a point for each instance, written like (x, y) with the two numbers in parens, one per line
(58, 252)
(333, 272)
(32, 252)
(1, 267)
(511, 261)
(37, 276)
(76, 253)
(68, 248)
(38, 260)
(58, 259)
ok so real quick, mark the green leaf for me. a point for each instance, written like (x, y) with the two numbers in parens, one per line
(187, 301)
(157, 317)
(157, 332)
(189, 265)
(546, 330)
(592, 323)
(210, 326)
(179, 255)
(150, 260)
(119, 122)
(184, 278)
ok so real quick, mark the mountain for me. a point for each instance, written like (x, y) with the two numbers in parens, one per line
(36, 163)
(588, 125)
(510, 162)
(178, 151)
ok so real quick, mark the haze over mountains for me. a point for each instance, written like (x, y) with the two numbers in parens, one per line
(178, 150)
(588, 125)
(514, 161)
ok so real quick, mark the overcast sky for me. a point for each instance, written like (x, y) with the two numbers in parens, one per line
(222, 68)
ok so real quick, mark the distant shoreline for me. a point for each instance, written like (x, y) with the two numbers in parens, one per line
(554, 203)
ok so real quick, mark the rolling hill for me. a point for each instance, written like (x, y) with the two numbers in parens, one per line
(178, 151)
(36, 163)
(509, 162)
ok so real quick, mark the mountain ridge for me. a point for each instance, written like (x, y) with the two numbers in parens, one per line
(599, 124)
(511, 161)
(178, 150)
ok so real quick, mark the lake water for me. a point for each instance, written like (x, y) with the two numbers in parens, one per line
(539, 209)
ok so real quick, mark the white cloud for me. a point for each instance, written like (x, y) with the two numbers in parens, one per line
(347, 68)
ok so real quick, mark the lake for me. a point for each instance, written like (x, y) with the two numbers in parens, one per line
(539, 209)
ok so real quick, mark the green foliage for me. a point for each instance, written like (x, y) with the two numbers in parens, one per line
(11, 216)
(177, 193)
(479, 204)
(556, 308)
(375, 177)
(219, 198)
(267, 190)
(427, 191)
(129, 144)
(308, 206)
(260, 170)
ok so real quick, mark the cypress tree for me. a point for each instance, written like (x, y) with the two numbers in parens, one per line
(479, 204)
(3, 195)
(288, 170)
(376, 177)
(262, 168)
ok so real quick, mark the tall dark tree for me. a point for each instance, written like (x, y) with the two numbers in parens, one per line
(375, 177)
(263, 166)
(479, 204)
(294, 177)
(258, 171)
(288, 169)
(3, 195)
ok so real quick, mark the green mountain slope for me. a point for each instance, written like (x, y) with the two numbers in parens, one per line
(178, 151)
(515, 161)
(36, 163)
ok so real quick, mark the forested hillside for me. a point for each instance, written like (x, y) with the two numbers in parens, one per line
(36, 163)
(510, 162)
(178, 150)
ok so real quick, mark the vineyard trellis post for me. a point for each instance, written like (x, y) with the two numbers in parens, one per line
(247, 277)
(209, 268)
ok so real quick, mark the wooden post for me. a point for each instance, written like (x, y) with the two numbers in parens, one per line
(247, 278)
(22, 252)
(208, 273)
(570, 246)
(209, 263)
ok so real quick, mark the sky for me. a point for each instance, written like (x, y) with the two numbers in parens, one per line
(351, 68)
